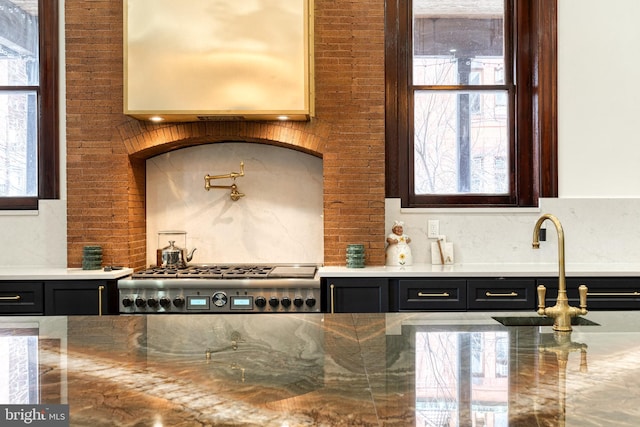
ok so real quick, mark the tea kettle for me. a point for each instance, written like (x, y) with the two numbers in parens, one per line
(175, 257)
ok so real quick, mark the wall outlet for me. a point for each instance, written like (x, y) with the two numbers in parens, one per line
(433, 228)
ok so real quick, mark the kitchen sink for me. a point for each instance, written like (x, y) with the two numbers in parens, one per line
(540, 321)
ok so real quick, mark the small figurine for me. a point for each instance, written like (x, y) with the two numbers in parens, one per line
(398, 250)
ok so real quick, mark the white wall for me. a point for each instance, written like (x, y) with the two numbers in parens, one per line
(599, 152)
(598, 92)
(39, 238)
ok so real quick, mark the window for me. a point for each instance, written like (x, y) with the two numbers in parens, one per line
(471, 102)
(28, 102)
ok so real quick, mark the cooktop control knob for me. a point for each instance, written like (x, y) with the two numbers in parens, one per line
(140, 302)
(285, 301)
(310, 302)
(178, 301)
(261, 302)
(274, 302)
(297, 301)
(127, 302)
(152, 302)
(165, 302)
(219, 299)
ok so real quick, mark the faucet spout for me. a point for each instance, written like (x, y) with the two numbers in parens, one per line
(562, 312)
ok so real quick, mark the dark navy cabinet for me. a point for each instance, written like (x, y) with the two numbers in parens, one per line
(18, 297)
(80, 297)
(355, 295)
(604, 293)
(391, 294)
(501, 294)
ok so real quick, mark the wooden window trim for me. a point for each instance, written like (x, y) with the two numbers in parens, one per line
(48, 114)
(535, 129)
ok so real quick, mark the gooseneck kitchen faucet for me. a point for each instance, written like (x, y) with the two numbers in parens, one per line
(562, 312)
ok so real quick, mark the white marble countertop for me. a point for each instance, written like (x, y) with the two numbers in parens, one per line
(49, 273)
(485, 270)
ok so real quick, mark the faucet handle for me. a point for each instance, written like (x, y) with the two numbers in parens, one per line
(582, 290)
(542, 291)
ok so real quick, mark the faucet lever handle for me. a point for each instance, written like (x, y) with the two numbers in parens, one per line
(542, 291)
(582, 290)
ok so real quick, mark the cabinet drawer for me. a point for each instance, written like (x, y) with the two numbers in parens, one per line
(604, 293)
(432, 294)
(502, 294)
(21, 298)
(608, 293)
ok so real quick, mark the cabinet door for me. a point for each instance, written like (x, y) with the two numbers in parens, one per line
(78, 297)
(432, 294)
(21, 298)
(501, 294)
(358, 295)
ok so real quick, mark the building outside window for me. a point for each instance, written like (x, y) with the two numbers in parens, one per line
(465, 120)
(28, 103)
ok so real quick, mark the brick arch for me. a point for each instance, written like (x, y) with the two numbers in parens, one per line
(144, 140)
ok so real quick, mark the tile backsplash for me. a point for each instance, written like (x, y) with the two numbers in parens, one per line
(279, 220)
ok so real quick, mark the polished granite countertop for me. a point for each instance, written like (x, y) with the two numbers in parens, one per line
(387, 369)
(486, 270)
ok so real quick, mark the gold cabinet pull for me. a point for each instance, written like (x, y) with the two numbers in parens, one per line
(428, 295)
(510, 294)
(332, 288)
(15, 298)
(614, 294)
(100, 289)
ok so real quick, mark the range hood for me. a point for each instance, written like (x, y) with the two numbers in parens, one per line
(218, 60)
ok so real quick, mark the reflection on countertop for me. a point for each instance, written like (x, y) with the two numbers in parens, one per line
(393, 369)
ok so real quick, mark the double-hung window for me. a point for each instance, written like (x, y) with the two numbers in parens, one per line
(471, 102)
(28, 103)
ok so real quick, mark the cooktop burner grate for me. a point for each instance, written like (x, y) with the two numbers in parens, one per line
(226, 272)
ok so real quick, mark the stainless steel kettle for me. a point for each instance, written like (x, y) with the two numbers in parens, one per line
(175, 257)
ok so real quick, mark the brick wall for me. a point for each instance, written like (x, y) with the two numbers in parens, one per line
(106, 149)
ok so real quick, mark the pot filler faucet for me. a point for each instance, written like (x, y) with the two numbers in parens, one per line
(235, 194)
(562, 312)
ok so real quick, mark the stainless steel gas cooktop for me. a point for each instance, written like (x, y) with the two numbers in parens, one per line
(214, 288)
